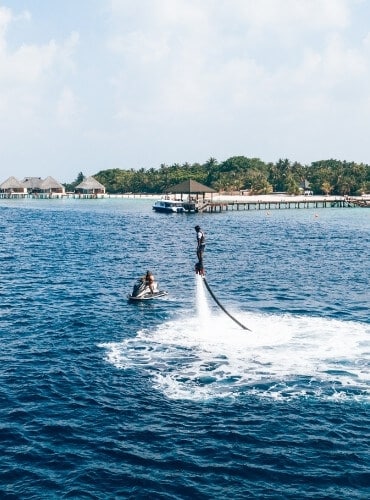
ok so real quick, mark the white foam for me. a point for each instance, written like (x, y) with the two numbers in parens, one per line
(207, 355)
(203, 310)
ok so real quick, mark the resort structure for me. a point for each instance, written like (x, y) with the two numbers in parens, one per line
(90, 186)
(36, 187)
(193, 196)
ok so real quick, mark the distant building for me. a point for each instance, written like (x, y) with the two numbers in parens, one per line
(190, 187)
(51, 186)
(32, 184)
(304, 185)
(12, 186)
(47, 188)
(90, 186)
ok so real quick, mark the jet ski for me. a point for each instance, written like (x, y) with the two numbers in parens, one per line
(141, 291)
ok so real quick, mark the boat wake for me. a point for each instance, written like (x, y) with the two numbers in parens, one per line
(285, 356)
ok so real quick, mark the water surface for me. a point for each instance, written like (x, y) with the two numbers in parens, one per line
(101, 398)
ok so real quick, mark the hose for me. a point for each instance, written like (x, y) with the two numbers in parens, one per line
(222, 307)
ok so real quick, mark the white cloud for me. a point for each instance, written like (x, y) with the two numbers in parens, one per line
(66, 107)
(189, 78)
(196, 50)
(5, 20)
(245, 67)
(283, 15)
(141, 47)
(28, 71)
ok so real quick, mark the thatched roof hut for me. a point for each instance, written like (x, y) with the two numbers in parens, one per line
(32, 184)
(90, 186)
(12, 185)
(189, 188)
(50, 185)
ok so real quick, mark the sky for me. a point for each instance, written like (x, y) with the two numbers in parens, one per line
(90, 85)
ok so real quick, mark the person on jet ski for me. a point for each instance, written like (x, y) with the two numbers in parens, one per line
(150, 281)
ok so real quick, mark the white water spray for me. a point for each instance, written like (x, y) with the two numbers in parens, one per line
(205, 355)
(203, 310)
(287, 356)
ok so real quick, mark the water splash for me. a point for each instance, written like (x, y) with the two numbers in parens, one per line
(203, 309)
(286, 356)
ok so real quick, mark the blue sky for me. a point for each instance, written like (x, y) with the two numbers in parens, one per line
(87, 85)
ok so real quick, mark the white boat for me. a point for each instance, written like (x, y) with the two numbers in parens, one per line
(169, 206)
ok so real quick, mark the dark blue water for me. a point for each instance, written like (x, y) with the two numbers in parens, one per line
(100, 398)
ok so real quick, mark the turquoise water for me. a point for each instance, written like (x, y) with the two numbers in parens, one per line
(101, 398)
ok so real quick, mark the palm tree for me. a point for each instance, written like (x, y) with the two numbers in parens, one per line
(326, 187)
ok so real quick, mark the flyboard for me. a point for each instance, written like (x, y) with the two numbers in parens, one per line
(199, 269)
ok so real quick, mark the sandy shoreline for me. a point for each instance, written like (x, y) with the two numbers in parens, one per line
(216, 198)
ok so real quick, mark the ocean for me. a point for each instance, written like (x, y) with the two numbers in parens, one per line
(172, 399)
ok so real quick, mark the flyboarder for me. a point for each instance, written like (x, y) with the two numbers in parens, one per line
(199, 269)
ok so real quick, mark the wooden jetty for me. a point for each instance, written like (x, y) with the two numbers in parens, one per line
(221, 204)
(363, 202)
(317, 202)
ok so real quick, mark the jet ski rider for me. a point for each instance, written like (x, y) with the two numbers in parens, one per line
(149, 281)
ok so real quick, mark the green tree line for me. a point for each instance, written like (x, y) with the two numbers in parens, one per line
(241, 173)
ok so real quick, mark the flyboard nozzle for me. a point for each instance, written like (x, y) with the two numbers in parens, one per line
(199, 269)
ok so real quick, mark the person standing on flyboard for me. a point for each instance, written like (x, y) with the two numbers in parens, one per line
(199, 269)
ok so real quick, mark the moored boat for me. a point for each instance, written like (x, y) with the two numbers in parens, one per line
(169, 206)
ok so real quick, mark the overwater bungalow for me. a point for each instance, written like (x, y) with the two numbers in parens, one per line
(12, 187)
(90, 187)
(32, 184)
(51, 187)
